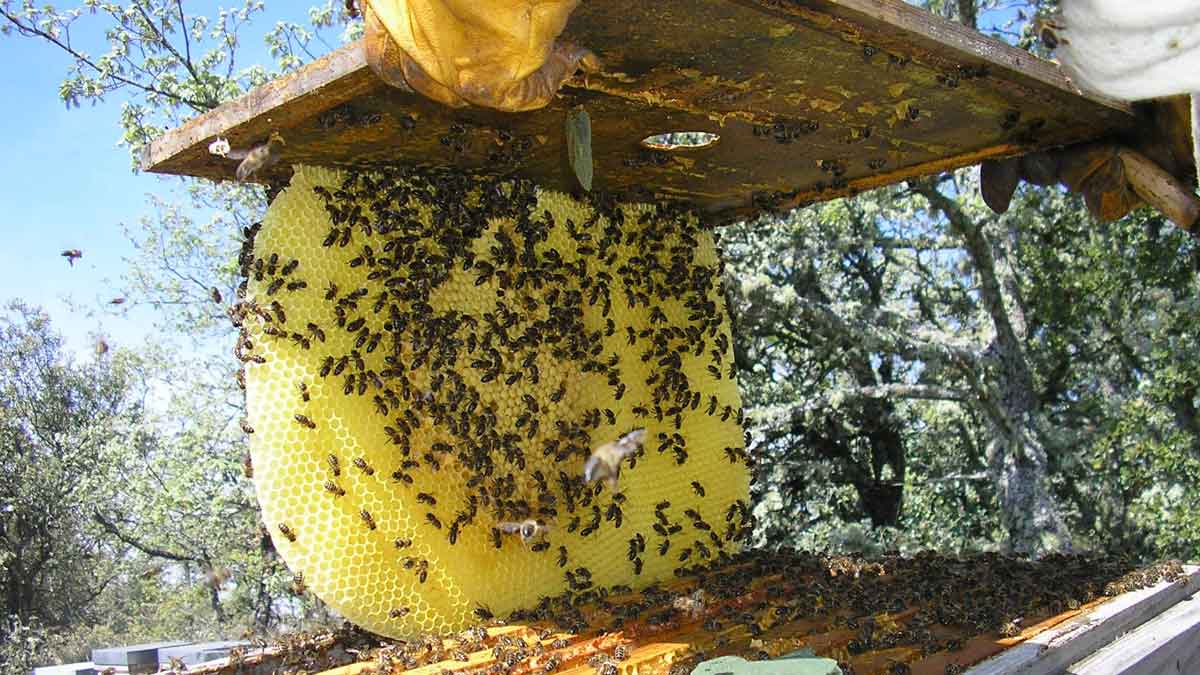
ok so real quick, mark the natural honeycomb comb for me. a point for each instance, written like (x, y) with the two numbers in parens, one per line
(429, 355)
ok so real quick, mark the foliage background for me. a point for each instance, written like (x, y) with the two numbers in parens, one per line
(920, 373)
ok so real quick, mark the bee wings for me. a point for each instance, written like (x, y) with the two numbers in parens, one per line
(509, 527)
(629, 443)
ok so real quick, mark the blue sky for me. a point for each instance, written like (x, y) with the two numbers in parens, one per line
(66, 183)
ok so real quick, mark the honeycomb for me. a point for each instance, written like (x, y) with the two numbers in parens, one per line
(429, 356)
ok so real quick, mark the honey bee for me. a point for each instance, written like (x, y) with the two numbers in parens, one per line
(246, 428)
(483, 613)
(304, 395)
(366, 517)
(334, 489)
(698, 488)
(334, 466)
(527, 529)
(316, 332)
(247, 466)
(305, 422)
(562, 556)
(361, 465)
(426, 498)
(72, 254)
(398, 613)
(260, 157)
(287, 532)
(605, 461)
(433, 520)
(298, 587)
(402, 542)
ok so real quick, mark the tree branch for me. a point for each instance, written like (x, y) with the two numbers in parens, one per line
(111, 528)
(880, 339)
(927, 392)
(32, 31)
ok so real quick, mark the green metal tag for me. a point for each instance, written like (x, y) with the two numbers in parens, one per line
(579, 146)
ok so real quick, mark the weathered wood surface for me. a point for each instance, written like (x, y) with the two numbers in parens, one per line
(1055, 650)
(1168, 643)
(812, 99)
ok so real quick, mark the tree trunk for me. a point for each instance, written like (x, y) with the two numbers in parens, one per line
(1019, 471)
(1017, 460)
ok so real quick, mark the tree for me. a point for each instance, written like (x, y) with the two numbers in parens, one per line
(1030, 371)
(181, 507)
(60, 422)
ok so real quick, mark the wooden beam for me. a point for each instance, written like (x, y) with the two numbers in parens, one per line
(1160, 645)
(812, 99)
(1055, 650)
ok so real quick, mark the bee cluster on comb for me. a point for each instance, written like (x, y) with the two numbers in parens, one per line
(430, 360)
(927, 613)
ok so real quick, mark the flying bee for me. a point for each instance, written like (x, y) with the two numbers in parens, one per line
(261, 156)
(361, 465)
(605, 461)
(366, 517)
(527, 529)
(287, 532)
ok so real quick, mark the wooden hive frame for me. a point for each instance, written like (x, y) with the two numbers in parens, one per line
(1072, 607)
(812, 99)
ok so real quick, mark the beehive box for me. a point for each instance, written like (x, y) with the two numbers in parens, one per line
(810, 100)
